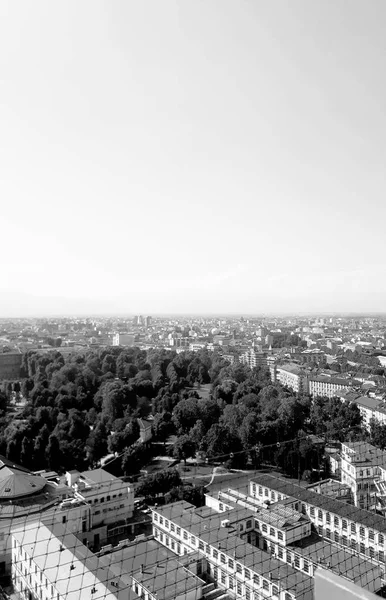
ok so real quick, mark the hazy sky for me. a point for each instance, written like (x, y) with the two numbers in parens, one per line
(192, 156)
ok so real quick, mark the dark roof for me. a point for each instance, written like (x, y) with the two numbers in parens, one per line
(346, 511)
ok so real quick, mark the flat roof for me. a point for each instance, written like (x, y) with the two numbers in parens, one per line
(225, 539)
(346, 511)
(67, 564)
(339, 560)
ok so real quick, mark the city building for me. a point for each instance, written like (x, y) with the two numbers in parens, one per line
(110, 499)
(254, 358)
(49, 563)
(123, 339)
(371, 408)
(260, 543)
(360, 468)
(330, 387)
(94, 505)
(351, 528)
(290, 375)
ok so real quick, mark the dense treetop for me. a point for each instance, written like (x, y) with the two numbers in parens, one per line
(81, 407)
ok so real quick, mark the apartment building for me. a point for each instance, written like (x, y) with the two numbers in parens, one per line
(360, 468)
(253, 358)
(371, 408)
(259, 546)
(292, 376)
(346, 526)
(236, 565)
(123, 339)
(330, 387)
(48, 563)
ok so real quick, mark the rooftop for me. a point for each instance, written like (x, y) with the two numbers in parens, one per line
(346, 511)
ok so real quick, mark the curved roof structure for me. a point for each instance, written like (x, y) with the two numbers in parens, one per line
(17, 482)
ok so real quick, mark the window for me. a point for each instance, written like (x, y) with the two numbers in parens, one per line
(280, 553)
(362, 548)
(297, 562)
(178, 530)
(102, 500)
(371, 552)
(185, 535)
(193, 540)
(328, 534)
(371, 535)
(320, 530)
(247, 574)
(275, 591)
(381, 539)
(215, 553)
(353, 544)
(249, 524)
(264, 527)
(201, 545)
(344, 540)
(362, 532)
(172, 527)
(344, 524)
(253, 488)
(172, 544)
(256, 579)
(221, 506)
(272, 532)
(247, 593)
(231, 583)
(107, 498)
(280, 535)
(161, 520)
(223, 579)
(239, 568)
(155, 516)
(381, 556)
(239, 588)
(320, 515)
(289, 557)
(336, 521)
(336, 537)
(64, 520)
(353, 528)
(265, 492)
(166, 523)
(272, 495)
(312, 511)
(222, 559)
(230, 563)
(328, 518)
(265, 585)
(306, 566)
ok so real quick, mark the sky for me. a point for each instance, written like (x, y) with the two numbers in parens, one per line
(192, 156)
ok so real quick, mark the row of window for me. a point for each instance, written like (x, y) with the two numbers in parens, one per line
(337, 521)
(244, 590)
(353, 544)
(101, 500)
(217, 555)
(28, 585)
